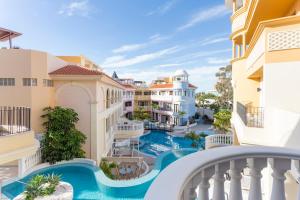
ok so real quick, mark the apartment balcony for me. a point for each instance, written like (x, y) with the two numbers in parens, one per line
(128, 109)
(273, 41)
(251, 116)
(16, 137)
(165, 98)
(206, 178)
(129, 129)
(218, 140)
(164, 110)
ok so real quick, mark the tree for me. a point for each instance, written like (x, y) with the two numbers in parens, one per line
(194, 137)
(154, 106)
(181, 114)
(222, 121)
(203, 98)
(141, 115)
(62, 141)
(224, 87)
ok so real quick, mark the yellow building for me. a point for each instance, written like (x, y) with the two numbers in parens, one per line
(265, 69)
(142, 96)
(31, 80)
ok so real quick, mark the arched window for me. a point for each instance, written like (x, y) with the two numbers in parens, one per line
(107, 98)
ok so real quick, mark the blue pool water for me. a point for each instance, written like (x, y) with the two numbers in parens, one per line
(89, 182)
(157, 142)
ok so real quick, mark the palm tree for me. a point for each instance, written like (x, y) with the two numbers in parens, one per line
(194, 137)
(154, 106)
(181, 114)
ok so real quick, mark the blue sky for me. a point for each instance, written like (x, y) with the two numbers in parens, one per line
(139, 39)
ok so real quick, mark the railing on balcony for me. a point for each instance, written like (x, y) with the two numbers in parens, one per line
(14, 120)
(218, 140)
(251, 116)
(130, 126)
(212, 166)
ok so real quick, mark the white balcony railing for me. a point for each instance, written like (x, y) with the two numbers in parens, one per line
(131, 126)
(29, 162)
(218, 140)
(203, 166)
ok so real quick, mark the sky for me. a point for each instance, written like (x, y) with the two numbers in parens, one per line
(139, 39)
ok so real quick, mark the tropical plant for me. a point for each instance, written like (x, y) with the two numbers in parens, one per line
(181, 114)
(224, 87)
(194, 137)
(141, 115)
(41, 185)
(222, 121)
(62, 141)
(107, 167)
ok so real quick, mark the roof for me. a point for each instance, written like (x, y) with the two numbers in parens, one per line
(5, 33)
(128, 86)
(115, 76)
(75, 70)
(168, 85)
(180, 72)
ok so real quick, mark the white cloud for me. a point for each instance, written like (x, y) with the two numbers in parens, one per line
(163, 8)
(133, 47)
(214, 60)
(76, 8)
(205, 15)
(214, 41)
(138, 59)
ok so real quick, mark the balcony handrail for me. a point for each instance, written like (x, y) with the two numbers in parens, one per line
(214, 163)
(218, 140)
(130, 126)
(14, 120)
(250, 115)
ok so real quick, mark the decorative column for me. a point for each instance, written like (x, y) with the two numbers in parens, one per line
(94, 129)
(279, 166)
(204, 183)
(21, 167)
(297, 165)
(220, 169)
(189, 193)
(256, 165)
(236, 167)
(233, 50)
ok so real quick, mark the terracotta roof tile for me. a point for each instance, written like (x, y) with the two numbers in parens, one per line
(128, 86)
(75, 70)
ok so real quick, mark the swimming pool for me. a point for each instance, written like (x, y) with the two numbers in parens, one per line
(157, 142)
(89, 182)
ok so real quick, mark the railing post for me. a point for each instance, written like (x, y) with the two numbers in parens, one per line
(219, 192)
(279, 166)
(297, 165)
(256, 165)
(236, 167)
(206, 174)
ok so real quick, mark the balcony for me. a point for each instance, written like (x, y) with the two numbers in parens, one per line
(218, 140)
(251, 116)
(16, 137)
(129, 129)
(207, 177)
(273, 41)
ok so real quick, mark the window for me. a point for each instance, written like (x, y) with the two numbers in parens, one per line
(147, 93)
(29, 82)
(143, 103)
(48, 83)
(176, 107)
(128, 104)
(138, 93)
(7, 82)
(171, 93)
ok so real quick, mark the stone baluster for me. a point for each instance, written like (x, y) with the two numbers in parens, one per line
(297, 165)
(220, 169)
(236, 167)
(256, 165)
(189, 192)
(279, 166)
(204, 183)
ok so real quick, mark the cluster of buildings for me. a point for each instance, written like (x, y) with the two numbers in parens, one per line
(168, 100)
(31, 80)
(266, 112)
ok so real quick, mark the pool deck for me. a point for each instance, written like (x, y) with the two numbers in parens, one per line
(198, 127)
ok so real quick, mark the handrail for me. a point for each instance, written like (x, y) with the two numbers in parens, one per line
(217, 161)
(14, 120)
(251, 116)
(218, 140)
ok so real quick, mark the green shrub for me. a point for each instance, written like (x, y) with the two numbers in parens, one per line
(62, 141)
(107, 167)
(222, 121)
(41, 185)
